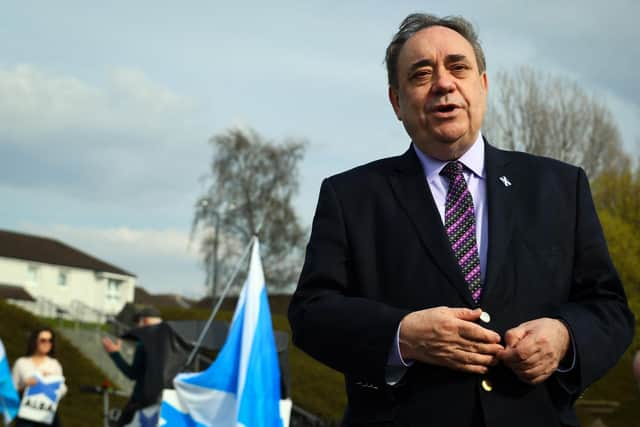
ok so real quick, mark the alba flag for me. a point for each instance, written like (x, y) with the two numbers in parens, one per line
(9, 399)
(242, 386)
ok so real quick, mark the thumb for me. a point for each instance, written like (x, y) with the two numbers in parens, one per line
(513, 336)
(467, 313)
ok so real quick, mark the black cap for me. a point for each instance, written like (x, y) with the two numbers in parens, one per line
(147, 311)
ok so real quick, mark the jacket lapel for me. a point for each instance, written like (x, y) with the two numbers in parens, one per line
(410, 187)
(500, 207)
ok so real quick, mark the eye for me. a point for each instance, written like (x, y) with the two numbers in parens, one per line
(459, 67)
(421, 74)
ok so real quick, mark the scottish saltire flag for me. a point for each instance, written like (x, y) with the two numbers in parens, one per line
(9, 399)
(242, 386)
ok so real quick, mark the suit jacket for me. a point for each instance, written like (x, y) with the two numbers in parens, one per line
(378, 251)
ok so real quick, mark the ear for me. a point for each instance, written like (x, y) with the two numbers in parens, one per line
(485, 82)
(394, 99)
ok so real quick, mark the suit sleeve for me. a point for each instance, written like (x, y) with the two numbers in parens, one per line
(597, 313)
(134, 371)
(330, 319)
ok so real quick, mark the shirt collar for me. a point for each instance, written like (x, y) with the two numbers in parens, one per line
(472, 159)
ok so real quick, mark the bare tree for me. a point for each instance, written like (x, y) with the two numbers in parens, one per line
(252, 183)
(548, 115)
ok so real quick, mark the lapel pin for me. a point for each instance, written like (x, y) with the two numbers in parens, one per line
(505, 181)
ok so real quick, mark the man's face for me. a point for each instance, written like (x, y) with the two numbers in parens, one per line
(441, 96)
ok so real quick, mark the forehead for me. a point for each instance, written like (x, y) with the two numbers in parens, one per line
(435, 43)
(44, 334)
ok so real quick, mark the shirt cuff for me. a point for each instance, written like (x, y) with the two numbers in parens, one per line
(569, 361)
(396, 366)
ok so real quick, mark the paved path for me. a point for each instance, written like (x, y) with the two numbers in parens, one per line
(88, 342)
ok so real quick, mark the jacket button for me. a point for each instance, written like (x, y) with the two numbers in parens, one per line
(486, 385)
(485, 317)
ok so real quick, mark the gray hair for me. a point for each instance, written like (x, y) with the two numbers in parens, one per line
(419, 21)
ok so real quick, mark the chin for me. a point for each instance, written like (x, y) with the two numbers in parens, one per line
(450, 139)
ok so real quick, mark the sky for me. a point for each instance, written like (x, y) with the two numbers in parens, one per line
(106, 109)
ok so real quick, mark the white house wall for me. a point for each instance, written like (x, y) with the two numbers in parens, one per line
(84, 290)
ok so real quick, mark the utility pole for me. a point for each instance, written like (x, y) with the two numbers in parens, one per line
(213, 266)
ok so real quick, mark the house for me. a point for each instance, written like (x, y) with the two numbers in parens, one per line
(62, 279)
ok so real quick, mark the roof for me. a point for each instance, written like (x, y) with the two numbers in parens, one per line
(51, 251)
(143, 297)
(278, 303)
(15, 293)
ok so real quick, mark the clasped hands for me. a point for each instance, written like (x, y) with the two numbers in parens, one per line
(450, 337)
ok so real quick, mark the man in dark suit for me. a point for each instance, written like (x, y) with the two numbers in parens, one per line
(457, 284)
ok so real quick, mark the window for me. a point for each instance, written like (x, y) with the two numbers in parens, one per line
(63, 278)
(32, 274)
(113, 289)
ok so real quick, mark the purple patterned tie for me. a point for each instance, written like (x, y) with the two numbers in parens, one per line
(460, 223)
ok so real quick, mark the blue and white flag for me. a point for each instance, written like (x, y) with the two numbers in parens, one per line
(242, 386)
(9, 399)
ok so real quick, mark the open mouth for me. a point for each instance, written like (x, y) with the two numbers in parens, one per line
(444, 108)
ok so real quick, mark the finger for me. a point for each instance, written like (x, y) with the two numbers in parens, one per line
(535, 375)
(463, 357)
(509, 356)
(475, 332)
(514, 335)
(524, 349)
(481, 348)
(535, 359)
(466, 313)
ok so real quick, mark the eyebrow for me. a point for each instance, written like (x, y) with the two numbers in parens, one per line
(456, 57)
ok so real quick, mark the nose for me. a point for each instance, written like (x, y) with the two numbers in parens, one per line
(443, 82)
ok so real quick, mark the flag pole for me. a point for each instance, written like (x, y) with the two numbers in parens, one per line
(5, 410)
(219, 303)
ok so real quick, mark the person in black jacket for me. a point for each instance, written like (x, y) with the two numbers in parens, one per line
(135, 371)
(457, 284)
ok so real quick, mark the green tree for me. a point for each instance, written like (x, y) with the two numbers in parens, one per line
(616, 194)
(252, 184)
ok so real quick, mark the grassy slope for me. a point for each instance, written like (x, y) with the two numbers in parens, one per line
(619, 385)
(77, 409)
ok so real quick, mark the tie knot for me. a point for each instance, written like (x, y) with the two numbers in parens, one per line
(452, 169)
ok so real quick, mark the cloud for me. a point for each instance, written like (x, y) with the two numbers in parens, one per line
(116, 141)
(34, 102)
(595, 41)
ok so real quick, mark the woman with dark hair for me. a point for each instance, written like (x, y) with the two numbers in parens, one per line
(39, 359)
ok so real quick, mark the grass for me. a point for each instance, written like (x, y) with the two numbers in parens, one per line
(77, 409)
(619, 386)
